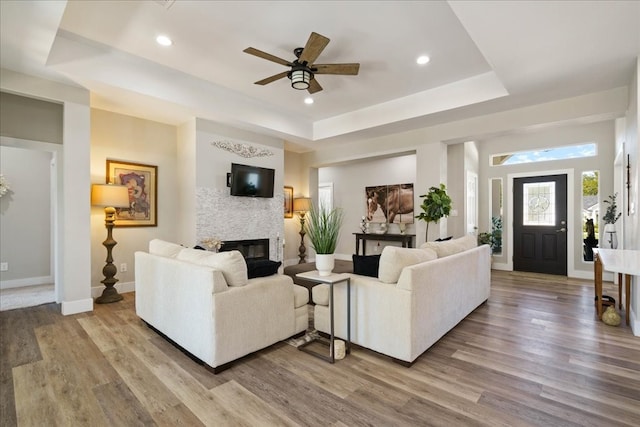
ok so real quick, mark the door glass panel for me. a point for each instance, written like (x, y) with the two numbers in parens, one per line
(539, 203)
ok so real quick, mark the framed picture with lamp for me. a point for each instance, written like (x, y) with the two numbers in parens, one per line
(142, 184)
(288, 202)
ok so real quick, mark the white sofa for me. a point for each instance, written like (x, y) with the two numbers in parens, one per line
(206, 304)
(428, 291)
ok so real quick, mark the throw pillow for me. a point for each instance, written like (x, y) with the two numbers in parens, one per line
(262, 267)
(231, 264)
(445, 239)
(393, 259)
(163, 248)
(366, 265)
(450, 247)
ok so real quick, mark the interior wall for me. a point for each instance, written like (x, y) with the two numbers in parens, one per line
(71, 211)
(31, 119)
(601, 133)
(26, 217)
(349, 182)
(222, 216)
(293, 178)
(130, 139)
(632, 220)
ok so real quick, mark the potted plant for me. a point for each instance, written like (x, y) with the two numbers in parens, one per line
(323, 229)
(436, 204)
(610, 217)
(493, 238)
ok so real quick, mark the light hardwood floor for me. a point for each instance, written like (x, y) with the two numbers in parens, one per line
(534, 354)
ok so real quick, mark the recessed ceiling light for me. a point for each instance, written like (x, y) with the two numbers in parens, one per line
(308, 101)
(164, 40)
(423, 59)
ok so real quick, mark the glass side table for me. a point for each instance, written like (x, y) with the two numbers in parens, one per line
(331, 280)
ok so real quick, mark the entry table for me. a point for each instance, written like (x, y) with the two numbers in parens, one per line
(405, 239)
(621, 261)
(331, 280)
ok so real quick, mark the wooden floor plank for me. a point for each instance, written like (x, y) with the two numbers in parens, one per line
(534, 355)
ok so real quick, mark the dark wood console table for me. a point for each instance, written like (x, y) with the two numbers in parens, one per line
(405, 239)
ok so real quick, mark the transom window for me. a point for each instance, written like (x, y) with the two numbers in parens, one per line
(545, 155)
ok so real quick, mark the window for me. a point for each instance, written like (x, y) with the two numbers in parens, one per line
(590, 213)
(544, 155)
(325, 195)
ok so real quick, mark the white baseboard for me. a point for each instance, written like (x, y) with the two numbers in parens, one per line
(78, 306)
(27, 281)
(122, 288)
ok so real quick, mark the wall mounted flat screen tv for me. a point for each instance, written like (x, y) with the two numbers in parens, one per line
(251, 181)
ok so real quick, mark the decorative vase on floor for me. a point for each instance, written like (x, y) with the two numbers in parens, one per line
(610, 237)
(325, 264)
(611, 316)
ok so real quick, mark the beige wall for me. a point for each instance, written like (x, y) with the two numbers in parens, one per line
(125, 138)
(31, 119)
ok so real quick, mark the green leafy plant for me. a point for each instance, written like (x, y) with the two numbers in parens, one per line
(436, 205)
(494, 238)
(323, 228)
(611, 215)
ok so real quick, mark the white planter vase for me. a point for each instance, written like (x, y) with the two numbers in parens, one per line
(325, 264)
(610, 237)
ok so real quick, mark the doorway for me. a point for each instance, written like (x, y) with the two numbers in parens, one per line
(540, 224)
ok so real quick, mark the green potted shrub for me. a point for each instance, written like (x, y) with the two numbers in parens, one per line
(323, 228)
(610, 217)
(436, 205)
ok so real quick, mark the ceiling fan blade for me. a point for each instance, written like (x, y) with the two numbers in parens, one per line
(267, 56)
(272, 78)
(314, 47)
(347, 69)
(314, 86)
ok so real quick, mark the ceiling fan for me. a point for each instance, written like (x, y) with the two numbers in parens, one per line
(303, 69)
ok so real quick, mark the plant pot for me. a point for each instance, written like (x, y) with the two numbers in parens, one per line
(610, 237)
(325, 264)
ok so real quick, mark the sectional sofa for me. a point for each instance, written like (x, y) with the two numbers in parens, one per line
(206, 303)
(419, 295)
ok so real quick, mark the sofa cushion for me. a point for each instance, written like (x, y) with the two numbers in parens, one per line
(163, 248)
(262, 267)
(453, 246)
(321, 294)
(393, 259)
(300, 296)
(366, 265)
(231, 263)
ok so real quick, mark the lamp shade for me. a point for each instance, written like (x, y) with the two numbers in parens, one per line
(300, 79)
(302, 204)
(109, 195)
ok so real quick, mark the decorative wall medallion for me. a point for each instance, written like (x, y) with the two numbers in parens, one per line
(243, 150)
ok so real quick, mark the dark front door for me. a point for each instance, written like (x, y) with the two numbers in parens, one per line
(540, 224)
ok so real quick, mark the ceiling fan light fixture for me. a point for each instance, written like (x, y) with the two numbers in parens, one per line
(300, 79)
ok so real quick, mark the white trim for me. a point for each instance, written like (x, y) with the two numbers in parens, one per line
(78, 306)
(635, 323)
(571, 271)
(27, 281)
(122, 288)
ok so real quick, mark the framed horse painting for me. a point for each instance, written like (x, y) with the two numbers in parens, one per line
(390, 203)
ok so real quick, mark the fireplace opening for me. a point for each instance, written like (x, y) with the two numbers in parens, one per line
(252, 249)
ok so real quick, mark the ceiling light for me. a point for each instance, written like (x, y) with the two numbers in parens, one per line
(164, 40)
(300, 79)
(423, 59)
(308, 101)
